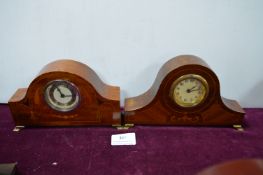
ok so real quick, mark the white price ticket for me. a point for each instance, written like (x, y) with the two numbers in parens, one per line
(123, 139)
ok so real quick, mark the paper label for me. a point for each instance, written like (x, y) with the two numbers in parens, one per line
(123, 139)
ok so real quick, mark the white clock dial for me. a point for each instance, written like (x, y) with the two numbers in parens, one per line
(189, 90)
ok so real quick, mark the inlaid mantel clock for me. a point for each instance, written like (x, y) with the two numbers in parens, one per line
(66, 93)
(186, 92)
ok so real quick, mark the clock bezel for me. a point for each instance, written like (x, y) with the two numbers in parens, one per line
(169, 103)
(184, 77)
(74, 90)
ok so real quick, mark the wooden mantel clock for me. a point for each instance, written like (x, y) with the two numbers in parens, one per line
(186, 92)
(66, 93)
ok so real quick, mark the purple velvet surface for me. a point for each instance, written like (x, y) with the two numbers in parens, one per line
(159, 150)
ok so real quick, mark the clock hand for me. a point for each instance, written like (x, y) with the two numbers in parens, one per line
(190, 90)
(67, 95)
(195, 89)
(60, 92)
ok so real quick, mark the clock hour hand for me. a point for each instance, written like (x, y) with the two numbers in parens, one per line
(61, 94)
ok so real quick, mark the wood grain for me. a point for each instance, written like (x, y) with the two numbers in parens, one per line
(155, 107)
(99, 103)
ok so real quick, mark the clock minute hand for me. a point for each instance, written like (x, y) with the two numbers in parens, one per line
(195, 89)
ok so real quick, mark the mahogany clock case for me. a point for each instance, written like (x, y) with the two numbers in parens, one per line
(156, 107)
(69, 93)
(88, 101)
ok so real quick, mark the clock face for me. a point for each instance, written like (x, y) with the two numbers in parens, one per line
(62, 95)
(189, 90)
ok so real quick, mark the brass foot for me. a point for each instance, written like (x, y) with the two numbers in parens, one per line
(238, 127)
(18, 128)
(126, 126)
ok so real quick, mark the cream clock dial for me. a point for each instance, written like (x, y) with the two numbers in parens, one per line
(189, 90)
(62, 95)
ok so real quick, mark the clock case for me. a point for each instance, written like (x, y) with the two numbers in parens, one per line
(99, 103)
(156, 107)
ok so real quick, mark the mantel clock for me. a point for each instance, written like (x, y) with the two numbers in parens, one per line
(186, 92)
(66, 93)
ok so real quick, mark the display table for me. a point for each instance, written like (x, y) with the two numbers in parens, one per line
(159, 150)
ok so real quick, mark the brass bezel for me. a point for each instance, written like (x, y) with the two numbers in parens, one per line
(187, 76)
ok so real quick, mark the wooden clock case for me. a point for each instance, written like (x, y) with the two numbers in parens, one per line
(155, 107)
(99, 103)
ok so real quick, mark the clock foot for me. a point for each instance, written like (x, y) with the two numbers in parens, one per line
(238, 127)
(126, 126)
(18, 128)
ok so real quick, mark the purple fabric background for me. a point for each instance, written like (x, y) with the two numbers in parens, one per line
(159, 150)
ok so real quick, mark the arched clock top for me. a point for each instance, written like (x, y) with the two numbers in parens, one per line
(83, 71)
